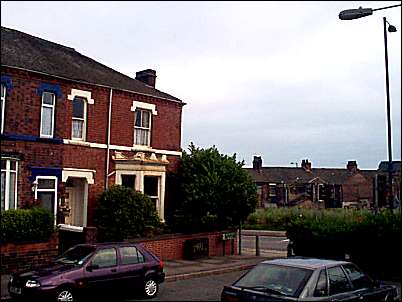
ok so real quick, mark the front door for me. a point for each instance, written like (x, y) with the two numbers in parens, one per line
(75, 201)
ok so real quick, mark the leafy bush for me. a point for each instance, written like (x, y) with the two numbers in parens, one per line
(26, 225)
(123, 213)
(213, 192)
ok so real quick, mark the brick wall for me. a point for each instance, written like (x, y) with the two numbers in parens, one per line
(17, 256)
(171, 247)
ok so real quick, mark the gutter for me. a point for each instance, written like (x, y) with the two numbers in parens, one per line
(108, 139)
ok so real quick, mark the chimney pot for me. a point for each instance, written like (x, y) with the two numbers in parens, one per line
(257, 163)
(352, 166)
(147, 76)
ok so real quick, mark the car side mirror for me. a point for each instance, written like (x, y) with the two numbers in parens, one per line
(92, 267)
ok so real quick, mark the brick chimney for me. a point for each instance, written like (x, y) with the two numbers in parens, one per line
(306, 165)
(257, 163)
(352, 166)
(147, 76)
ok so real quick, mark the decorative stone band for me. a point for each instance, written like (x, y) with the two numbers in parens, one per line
(122, 148)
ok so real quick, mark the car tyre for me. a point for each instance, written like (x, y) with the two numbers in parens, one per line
(65, 294)
(151, 288)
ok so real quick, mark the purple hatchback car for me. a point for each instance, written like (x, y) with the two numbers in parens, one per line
(88, 269)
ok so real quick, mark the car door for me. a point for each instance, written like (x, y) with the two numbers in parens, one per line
(101, 271)
(339, 287)
(132, 266)
(364, 286)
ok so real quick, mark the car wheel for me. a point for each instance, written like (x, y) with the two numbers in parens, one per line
(151, 288)
(65, 295)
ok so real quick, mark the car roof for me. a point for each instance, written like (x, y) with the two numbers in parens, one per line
(109, 244)
(308, 263)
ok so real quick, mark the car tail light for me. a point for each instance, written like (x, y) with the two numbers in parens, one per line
(229, 298)
(161, 264)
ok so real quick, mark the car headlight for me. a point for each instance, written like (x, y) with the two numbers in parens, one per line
(32, 283)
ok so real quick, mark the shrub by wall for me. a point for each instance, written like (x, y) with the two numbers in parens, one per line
(26, 225)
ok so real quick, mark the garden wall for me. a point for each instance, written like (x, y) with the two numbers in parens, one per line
(17, 256)
(171, 247)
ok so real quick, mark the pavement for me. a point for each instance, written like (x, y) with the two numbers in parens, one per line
(185, 269)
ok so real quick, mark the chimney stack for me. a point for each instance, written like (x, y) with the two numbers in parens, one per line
(352, 166)
(257, 163)
(147, 76)
(306, 165)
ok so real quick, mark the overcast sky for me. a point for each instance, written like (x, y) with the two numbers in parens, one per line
(284, 80)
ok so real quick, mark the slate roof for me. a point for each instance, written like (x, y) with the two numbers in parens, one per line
(299, 175)
(24, 51)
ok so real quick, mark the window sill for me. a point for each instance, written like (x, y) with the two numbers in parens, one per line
(73, 228)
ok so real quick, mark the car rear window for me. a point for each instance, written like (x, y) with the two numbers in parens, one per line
(283, 280)
(130, 255)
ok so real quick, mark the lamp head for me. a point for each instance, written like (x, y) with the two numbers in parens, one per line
(351, 14)
(391, 28)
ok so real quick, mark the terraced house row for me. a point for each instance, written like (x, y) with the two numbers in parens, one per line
(71, 127)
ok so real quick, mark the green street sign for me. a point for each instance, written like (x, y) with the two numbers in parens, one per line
(229, 236)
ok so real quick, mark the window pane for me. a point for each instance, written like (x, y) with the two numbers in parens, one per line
(338, 283)
(3, 164)
(3, 189)
(358, 278)
(145, 119)
(11, 199)
(141, 137)
(48, 98)
(140, 256)
(77, 128)
(78, 108)
(47, 116)
(46, 200)
(321, 288)
(46, 184)
(105, 258)
(151, 185)
(128, 255)
(128, 181)
(138, 118)
(13, 165)
(3, 91)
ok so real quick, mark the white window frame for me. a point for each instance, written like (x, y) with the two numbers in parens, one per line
(148, 143)
(318, 192)
(3, 105)
(53, 111)
(84, 125)
(48, 190)
(7, 184)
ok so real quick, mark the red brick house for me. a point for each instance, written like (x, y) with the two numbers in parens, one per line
(315, 187)
(71, 127)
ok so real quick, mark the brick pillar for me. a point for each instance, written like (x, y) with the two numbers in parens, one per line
(90, 234)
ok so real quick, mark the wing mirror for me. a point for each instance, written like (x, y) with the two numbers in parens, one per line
(92, 267)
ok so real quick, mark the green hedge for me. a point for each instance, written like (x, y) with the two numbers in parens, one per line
(370, 239)
(26, 225)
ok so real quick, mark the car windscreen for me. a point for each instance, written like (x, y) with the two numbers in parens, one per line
(277, 279)
(76, 255)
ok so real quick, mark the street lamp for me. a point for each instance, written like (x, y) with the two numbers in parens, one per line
(351, 14)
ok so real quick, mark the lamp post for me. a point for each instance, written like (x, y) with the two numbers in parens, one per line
(351, 14)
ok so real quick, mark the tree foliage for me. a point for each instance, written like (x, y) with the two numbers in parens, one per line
(123, 213)
(213, 192)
